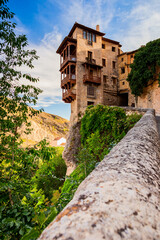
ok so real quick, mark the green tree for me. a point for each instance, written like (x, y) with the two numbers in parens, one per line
(144, 68)
(17, 90)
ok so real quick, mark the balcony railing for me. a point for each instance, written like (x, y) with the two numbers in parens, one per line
(69, 58)
(69, 95)
(90, 60)
(68, 79)
(91, 79)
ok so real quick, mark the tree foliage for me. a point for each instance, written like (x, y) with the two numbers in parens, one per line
(144, 68)
(27, 207)
(15, 94)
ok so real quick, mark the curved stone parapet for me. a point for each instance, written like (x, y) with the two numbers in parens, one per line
(120, 198)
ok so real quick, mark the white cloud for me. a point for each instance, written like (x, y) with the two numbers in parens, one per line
(89, 13)
(140, 24)
(20, 28)
(47, 68)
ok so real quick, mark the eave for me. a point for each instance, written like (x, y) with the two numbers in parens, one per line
(111, 41)
(64, 43)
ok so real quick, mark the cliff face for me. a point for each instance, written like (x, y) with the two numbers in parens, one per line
(46, 126)
(72, 146)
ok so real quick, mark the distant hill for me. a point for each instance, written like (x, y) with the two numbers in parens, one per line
(46, 126)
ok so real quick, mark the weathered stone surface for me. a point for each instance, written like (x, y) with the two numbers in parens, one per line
(120, 198)
(72, 146)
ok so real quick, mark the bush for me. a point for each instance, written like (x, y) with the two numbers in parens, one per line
(51, 174)
(86, 163)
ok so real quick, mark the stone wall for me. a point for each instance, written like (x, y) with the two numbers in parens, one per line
(150, 97)
(132, 110)
(120, 198)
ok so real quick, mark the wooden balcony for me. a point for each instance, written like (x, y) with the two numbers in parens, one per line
(68, 79)
(91, 79)
(69, 95)
(71, 58)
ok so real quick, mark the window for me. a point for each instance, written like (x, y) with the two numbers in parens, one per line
(123, 83)
(114, 81)
(133, 105)
(122, 59)
(89, 36)
(90, 103)
(84, 34)
(90, 91)
(131, 56)
(113, 64)
(94, 37)
(103, 62)
(122, 70)
(105, 77)
(103, 46)
(113, 49)
(89, 56)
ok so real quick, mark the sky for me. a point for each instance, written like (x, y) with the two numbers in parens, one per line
(46, 22)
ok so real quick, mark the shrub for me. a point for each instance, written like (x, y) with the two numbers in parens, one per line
(51, 174)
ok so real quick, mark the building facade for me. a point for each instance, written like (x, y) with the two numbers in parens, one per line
(93, 70)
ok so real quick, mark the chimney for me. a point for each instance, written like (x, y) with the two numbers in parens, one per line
(97, 27)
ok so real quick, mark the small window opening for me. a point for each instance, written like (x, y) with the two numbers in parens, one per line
(114, 81)
(113, 49)
(113, 64)
(94, 37)
(89, 56)
(122, 70)
(103, 62)
(90, 103)
(84, 34)
(90, 91)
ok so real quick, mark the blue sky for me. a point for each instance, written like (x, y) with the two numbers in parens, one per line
(46, 22)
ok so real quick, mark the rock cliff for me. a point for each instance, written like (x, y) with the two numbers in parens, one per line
(46, 126)
(72, 146)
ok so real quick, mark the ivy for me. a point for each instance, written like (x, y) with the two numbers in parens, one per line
(145, 67)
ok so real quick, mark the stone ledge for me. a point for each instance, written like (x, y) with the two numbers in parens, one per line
(120, 198)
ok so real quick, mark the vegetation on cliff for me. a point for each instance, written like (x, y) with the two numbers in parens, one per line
(144, 68)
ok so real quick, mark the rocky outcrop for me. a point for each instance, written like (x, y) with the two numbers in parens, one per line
(72, 146)
(120, 198)
(44, 126)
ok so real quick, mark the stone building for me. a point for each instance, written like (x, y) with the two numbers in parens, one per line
(151, 94)
(124, 61)
(89, 69)
(93, 70)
